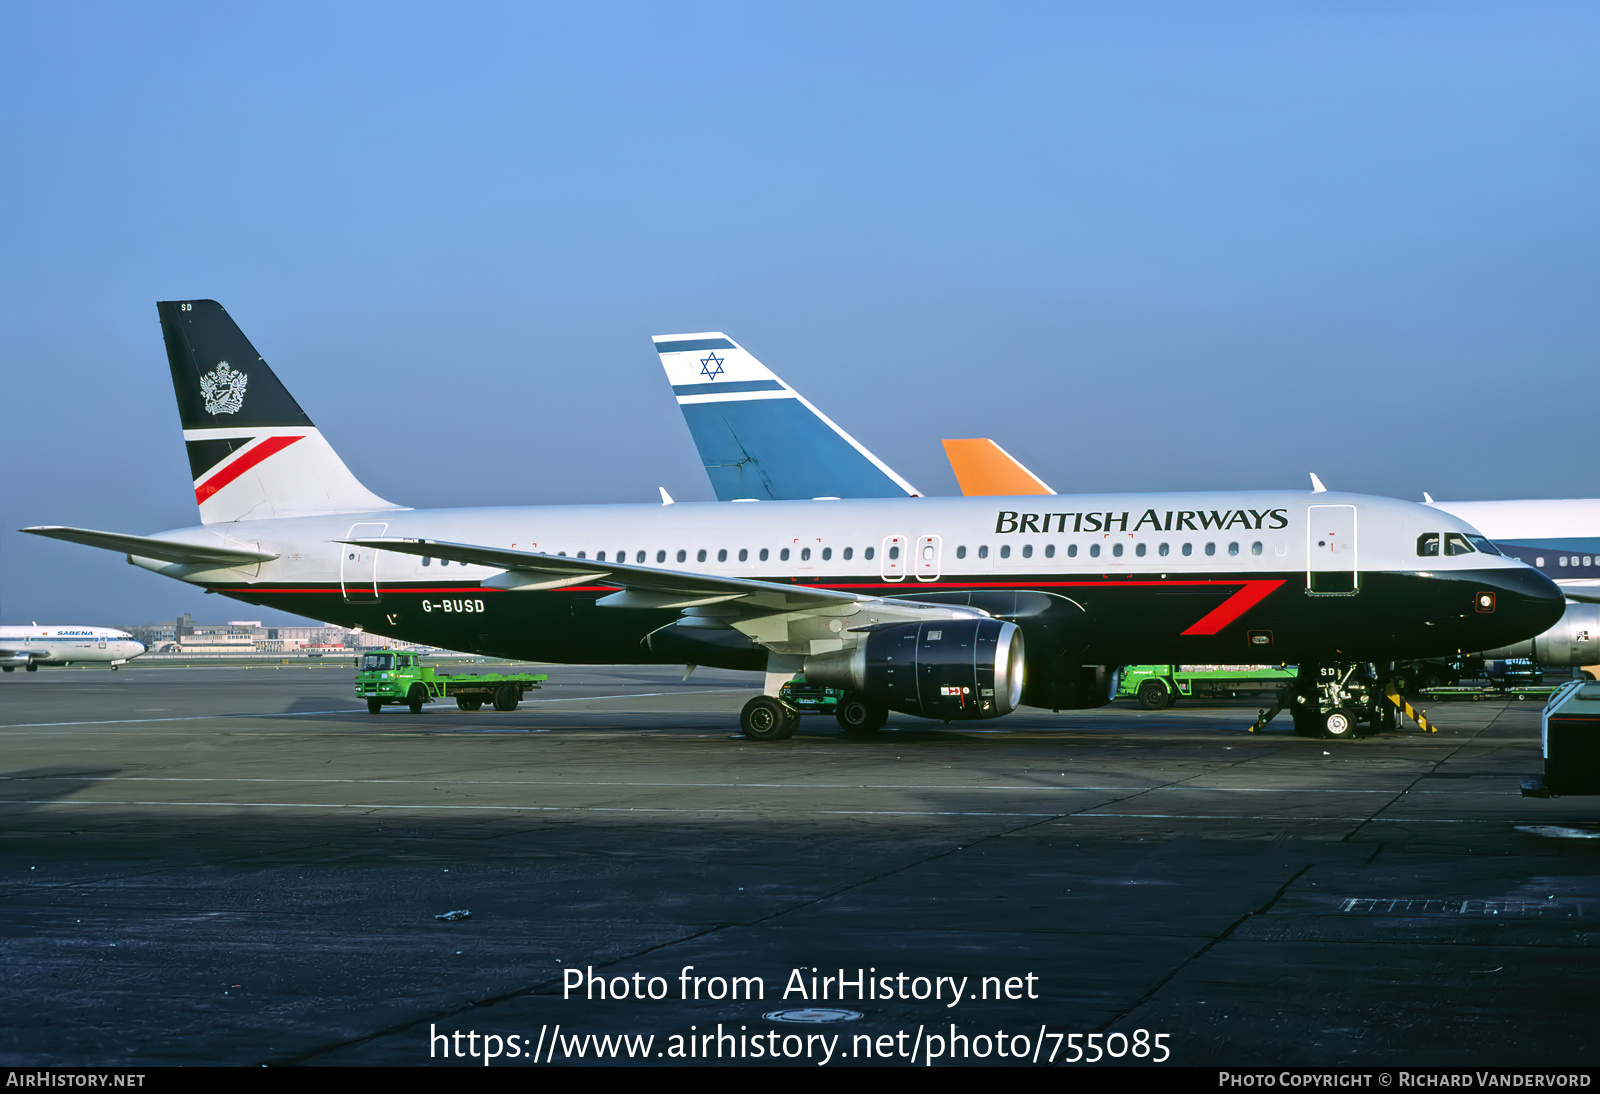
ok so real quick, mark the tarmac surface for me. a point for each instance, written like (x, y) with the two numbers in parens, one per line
(241, 866)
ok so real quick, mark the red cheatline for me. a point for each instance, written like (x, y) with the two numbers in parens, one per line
(248, 459)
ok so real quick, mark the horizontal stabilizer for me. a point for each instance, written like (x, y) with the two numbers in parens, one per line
(757, 437)
(986, 470)
(145, 547)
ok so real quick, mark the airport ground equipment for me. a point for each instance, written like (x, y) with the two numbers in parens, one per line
(390, 678)
(1569, 737)
(856, 714)
(1159, 686)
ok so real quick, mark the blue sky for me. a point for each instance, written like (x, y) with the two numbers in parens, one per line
(1146, 246)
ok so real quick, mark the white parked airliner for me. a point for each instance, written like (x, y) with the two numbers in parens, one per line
(30, 647)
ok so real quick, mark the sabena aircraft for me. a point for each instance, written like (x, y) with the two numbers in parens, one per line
(943, 608)
(30, 647)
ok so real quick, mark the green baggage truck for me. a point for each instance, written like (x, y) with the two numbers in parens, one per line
(1157, 687)
(391, 678)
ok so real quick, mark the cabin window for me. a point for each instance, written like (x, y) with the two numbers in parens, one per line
(1428, 544)
(848, 551)
(1255, 548)
(1188, 549)
(1233, 548)
(600, 557)
(640, 557)
(1163, 550)
(722, 554)
(582, 554)
(661, 556)
(763, 554)
(1139, 549)
(983, 552)
(1116, 549)
(805, 554)
(1049, 550)
(744, 554)
(1005, 550)
(683, 556)
(868, 553)
(426, 561)
(961, 552)
(1072, 550)
(894, 553)
(1027, 550)
(1094, 550)
(827, 553)
(1211, 548)
(783, 555)
(444, 562)
(1539, 561)
(1562, 561)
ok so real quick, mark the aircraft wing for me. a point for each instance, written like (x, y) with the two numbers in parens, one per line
(650, 586)
(1584, 591)
(148, 547)
(786, 619)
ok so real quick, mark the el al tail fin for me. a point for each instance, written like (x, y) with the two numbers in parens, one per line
(253, 451)
(758, 438)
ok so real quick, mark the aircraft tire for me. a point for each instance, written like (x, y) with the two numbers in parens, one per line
(374, 707)
(766, 718)
(468, 704)
(859, 716)
(31, 667)
(9, 668)
(506, 697)
(1340, 724)
(416, 697)
(1153, 695)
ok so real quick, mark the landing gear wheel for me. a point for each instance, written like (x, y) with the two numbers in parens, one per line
(507, 696)
(859, 717)
(1340, 724)
(416, 697)
(373, 706)
(9, 668)
(468, 704)
(1153, 695)
(765, 718)
(32, 666)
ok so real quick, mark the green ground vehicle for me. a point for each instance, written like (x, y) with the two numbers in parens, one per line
(390, 678)
(1159, 686)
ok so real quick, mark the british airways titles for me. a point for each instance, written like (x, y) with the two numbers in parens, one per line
(1173, 520)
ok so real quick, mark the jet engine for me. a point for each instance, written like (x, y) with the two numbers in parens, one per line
(1574, 640)
(953, 669)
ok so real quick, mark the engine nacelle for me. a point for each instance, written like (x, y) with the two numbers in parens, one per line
(955, 669)
(1574, 640)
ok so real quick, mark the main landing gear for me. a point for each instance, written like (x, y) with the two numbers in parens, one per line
(1340, 701)
(768, 718)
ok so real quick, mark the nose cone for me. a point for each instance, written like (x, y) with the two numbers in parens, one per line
(135, 649)
(1521, 603)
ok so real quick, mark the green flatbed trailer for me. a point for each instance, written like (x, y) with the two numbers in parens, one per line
(1157, 687)
(391, 678)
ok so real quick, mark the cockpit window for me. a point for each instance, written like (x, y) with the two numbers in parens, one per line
(377, 662)
(1483, 545)
(1428, 544)
(1456, 544)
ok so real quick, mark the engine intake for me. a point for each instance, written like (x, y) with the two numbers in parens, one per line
(955, 669)
(1574, 640)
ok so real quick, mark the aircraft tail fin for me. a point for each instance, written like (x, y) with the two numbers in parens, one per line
(757, 437)
(984, 469)
(252, 450)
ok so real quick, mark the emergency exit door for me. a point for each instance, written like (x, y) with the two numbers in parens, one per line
(1331, 549)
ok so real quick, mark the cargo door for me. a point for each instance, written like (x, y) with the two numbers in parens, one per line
(1331, 549)
(894, 558)
(358, 566)
(927, 557)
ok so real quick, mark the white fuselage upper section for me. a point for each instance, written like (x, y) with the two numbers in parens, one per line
(914, 540)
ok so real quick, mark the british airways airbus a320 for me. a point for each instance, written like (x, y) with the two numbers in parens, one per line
(945, 608)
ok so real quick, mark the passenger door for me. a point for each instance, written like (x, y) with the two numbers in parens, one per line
(358, 566)
(1331, 550)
